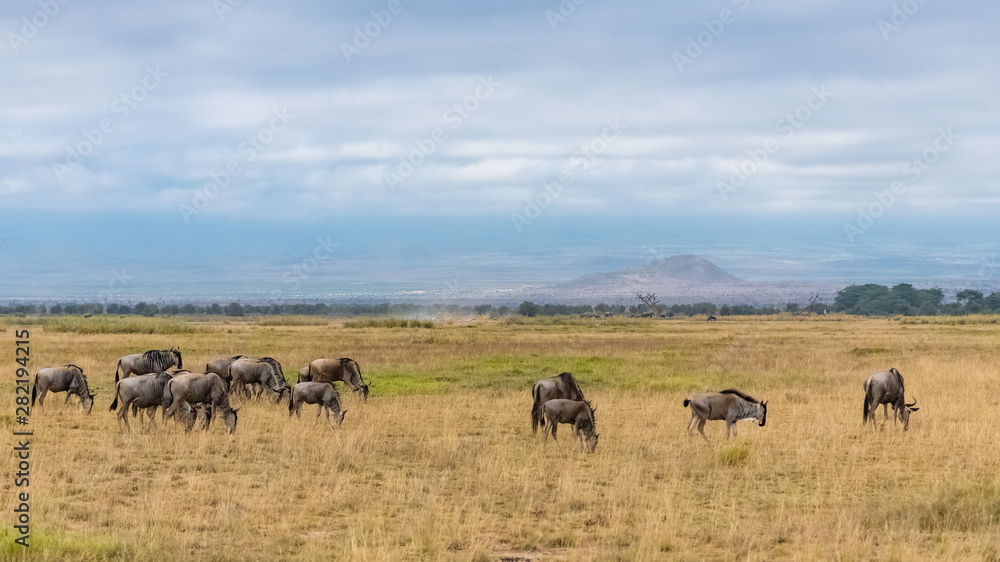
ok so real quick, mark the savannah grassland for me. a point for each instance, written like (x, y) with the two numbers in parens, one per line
(440, 464)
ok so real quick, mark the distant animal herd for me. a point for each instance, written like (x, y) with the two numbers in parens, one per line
(157, 379)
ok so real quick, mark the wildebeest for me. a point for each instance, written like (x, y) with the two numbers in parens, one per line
(147, 393)
(344, 370)
(886, 388)
(711, 318)
(563, 386)
(321, 393)
(69, 379)
(199, 388)
(152, 361)
(261, 374)
(266, 372)
(579, 413)
(221, 367)
(730, 405)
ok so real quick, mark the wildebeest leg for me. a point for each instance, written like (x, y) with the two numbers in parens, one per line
(123, 415)
(298, 410)
(319, 408)
(701, 427)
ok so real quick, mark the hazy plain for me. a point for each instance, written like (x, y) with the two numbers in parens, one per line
(440, 462)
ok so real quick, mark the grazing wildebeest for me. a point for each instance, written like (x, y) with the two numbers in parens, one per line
(221, 367)
(152, 361)
(563, 386)
(730, 405)
(579, 413)
(344, 370)
(69, 379)
(199, 388)
(886, 388)
(265, 372)
(147, 392)
(711, 318)
(321, 393)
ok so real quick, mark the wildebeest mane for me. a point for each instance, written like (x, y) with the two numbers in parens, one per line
(344, 362)
(746, 397)
(571, 383)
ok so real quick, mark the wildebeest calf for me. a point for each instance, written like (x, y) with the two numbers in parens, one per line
(579, 414)
(321, 393)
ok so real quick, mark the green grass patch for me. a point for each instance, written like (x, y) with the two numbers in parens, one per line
(388, 323)
(108, 325)
(46, 544)
(734, 454)
(868, 351)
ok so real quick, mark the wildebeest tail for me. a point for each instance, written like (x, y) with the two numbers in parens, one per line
(116, 370)
(686, 402)
(535, 413)
(118, 389)
(169, 399)
(291, 401)
(868, 402)
(34, 390)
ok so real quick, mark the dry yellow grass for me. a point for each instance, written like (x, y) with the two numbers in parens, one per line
(441, 464)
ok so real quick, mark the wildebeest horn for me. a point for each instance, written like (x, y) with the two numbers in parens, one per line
(911, 404)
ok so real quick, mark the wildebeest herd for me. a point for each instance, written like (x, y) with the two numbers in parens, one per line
(143, 381)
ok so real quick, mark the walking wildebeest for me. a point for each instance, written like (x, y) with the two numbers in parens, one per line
(152, 361)
(730, 405)
(579, 413)
(886, 388)
(321, 393)
(563, 386)
(221, 367)
(147, 392)
(266, 372)
(69, 379)
(344, 370)
(199, 388)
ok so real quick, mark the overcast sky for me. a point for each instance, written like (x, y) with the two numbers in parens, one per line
(303, 111)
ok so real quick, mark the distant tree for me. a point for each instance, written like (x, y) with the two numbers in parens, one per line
(792, 307)
(171, 310)
(234, 309)
(214, 309)
(57, 309)
(145, 309)
(503, 310)
(968, 296)
(482, 309)
(188, 309)
(527, 308)
(992, 303)
(725, 310)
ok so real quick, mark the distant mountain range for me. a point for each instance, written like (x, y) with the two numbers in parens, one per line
(688, 268)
